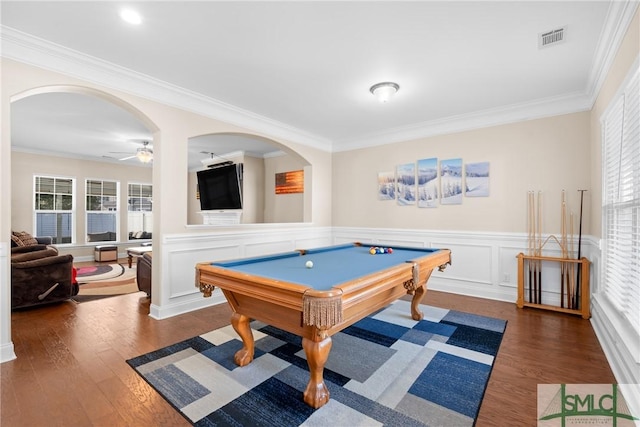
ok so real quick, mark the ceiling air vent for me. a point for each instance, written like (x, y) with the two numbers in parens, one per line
(552, 37)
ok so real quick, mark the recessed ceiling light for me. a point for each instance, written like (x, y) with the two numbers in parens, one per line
(131, 16)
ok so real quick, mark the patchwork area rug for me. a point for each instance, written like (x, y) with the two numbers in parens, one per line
(386, 369)
(104, 281)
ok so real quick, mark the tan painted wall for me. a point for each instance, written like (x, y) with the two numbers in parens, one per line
(545, 155)
(252, 190)
(628, 53)
(193, 204)
(25, 166)
(282, 207)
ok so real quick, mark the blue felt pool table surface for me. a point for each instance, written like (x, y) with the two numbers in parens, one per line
(331, 265)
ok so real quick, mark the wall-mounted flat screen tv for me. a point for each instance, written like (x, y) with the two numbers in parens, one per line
(220, 187)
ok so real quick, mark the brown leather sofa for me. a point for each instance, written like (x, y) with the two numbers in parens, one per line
(39, 275)
(143, 272)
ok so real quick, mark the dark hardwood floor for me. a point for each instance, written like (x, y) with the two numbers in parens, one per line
(71, 368)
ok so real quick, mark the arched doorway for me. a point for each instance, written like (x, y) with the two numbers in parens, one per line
(74, 154)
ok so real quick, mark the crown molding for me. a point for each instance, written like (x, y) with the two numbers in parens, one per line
(25, 48)
(481, 119)
(617, 23)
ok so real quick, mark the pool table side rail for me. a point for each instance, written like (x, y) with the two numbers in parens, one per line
(284, 293)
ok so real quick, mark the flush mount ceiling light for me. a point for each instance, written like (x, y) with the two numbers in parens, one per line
(131, 16)
(384, 91)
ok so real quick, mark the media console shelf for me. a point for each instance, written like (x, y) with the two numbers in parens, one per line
(534, 264)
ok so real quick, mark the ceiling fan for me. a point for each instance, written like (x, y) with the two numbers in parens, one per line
(144, 153)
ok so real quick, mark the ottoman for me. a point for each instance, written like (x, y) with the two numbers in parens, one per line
(103, 253)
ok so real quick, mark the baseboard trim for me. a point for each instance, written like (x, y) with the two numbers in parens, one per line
(7, 352)
(182, 307)
(615, 344)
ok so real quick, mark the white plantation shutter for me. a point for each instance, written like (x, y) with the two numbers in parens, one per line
(621, 202)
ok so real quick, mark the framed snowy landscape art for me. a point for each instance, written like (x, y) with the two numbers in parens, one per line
(476, 179)
(451, 181)
(428, 183)
(386, 186)
(406, 184)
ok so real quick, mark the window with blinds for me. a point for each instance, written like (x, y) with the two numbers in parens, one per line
(53, 208)
(102, 210)
(621, 201)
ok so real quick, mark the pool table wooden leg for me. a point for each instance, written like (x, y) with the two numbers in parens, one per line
(418, 294)
(240, 323)
(316, 393)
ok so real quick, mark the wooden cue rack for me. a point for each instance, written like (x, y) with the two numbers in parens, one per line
(584, 307)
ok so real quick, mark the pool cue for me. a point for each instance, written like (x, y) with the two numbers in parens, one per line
(572, 265)
(539, 247)
(533, 247)
(575, 305)
(563, 239)
(529, 243)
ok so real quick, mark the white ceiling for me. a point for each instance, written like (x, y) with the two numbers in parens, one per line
(305, 68)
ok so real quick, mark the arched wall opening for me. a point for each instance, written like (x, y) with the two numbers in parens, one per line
(83, 90)
(74, 134)
(265, 164)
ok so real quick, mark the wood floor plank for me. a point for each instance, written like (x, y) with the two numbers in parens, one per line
(71, 368)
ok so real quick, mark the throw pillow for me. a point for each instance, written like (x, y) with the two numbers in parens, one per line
(22, 238)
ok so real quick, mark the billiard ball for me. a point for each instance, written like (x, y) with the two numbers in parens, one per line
(372, 251)
(309, 264)
(389, 251)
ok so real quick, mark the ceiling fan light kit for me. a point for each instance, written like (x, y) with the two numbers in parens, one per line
(144, 154)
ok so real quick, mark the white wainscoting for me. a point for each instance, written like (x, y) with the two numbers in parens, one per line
(6, 345)
(483, 264)
(181, 252)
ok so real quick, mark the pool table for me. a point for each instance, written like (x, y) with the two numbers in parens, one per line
(345, 284)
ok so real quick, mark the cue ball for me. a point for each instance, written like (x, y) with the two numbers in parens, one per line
(309, 264)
